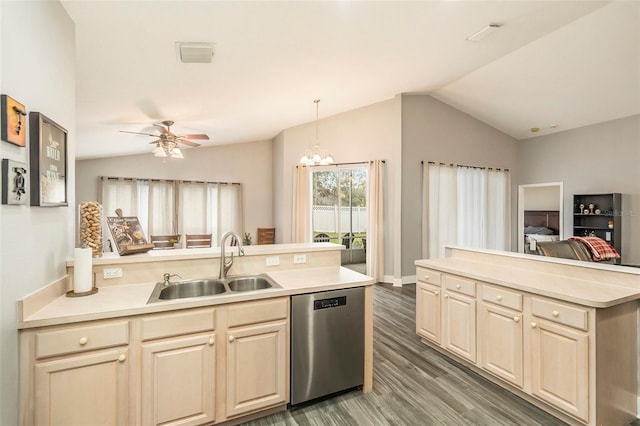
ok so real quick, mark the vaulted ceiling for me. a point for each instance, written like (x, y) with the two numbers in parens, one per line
(554, 65)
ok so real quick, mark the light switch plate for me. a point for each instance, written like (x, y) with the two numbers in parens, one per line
(111, 273)
(299, 258)
(273, 260)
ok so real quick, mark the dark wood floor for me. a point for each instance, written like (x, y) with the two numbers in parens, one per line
(412, 384)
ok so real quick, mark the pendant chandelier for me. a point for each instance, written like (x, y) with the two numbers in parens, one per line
(317, 156)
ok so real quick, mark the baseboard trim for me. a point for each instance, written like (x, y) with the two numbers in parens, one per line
(399, 282)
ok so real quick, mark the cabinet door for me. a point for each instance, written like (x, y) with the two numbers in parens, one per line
(178, 381)
(428, 311)
(79, 390)
(501, 342)
(459, 325)
(560, 367)
(256, 367)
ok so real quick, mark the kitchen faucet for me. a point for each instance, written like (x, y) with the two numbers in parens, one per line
(224, 264)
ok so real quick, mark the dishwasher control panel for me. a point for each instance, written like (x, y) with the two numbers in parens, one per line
(332, 302)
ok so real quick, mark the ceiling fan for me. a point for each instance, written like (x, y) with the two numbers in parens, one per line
(167, 142)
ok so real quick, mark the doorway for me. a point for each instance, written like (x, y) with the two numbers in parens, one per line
(339, 210)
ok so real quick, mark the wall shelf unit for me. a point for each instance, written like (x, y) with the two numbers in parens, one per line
(598, 215)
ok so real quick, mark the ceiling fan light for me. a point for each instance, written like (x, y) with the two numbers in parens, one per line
(159, 152)
(157, 149)
(328, 159)
(316, 158)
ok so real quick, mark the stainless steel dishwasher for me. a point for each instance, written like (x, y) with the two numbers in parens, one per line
(327, 343)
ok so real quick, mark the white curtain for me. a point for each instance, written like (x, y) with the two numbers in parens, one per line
(375, 222)
(441, 204)
(118, 194)
(193, 208)
(301, 215)
(466, 206)
(162, 211)
(229, 216)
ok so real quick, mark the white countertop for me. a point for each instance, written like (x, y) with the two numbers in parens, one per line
(131, 299)
(584, 291)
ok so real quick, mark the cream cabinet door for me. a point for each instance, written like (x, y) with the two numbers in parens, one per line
(560, 367)
(178, 381)
(87, 389)
(256, 367)
(428, 311)
(501, 342)
(459, 324)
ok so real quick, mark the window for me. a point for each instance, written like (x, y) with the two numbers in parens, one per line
(166, 207)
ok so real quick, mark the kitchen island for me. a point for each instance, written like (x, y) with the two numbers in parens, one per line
(561, 334)
(210, 359)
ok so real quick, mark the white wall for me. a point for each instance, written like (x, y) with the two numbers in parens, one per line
(542, 198)
(248, 163)
(368, 133)
(601, 158)
(37, 45)
(435, 131)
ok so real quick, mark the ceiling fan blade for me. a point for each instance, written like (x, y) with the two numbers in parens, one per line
(139, 133)
(188, 143)
(164, 129)
(156, 142)
(197, 136)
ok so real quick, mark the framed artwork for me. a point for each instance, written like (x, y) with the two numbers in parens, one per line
(128, 235)
(48, 161)
(14, 117)
(15, 179)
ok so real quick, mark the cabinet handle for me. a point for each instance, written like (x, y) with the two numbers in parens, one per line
(231, 338)
(122, 358)
(83, 341)
(457, 285)
(516, 319)
(555, 313)
(426, 277)
(446, 296)
(436, 292)
(211, 341)
(498, 298)
(534, 325)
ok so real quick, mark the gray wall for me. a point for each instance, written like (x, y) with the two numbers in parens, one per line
(601, 158)
(37, 45)
(246, 163)
(435, 131)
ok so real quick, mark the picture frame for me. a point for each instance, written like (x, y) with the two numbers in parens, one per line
(48, 161)
(13, 124)
(15, 182)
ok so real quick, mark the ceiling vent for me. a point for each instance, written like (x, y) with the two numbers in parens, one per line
(199, 53)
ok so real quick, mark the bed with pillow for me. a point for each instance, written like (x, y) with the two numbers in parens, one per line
(539, 226)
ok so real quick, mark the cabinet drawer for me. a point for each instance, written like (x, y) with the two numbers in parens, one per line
(259, 311)
(573, 316)
(428, 276)
(502, 297)
(80, 339)
(459, 285)
(176, 323)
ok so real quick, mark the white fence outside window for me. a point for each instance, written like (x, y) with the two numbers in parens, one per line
(325, 219)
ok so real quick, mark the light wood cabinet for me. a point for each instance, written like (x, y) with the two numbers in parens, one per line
(576, 362)
(459, 316)
(83, 389)
(560, 367)
(257, 349)
(256, 367)
(178, 381)
(501, 342)
(428, 311)
(188, 367)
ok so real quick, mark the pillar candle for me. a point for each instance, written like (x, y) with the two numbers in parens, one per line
(82, 266)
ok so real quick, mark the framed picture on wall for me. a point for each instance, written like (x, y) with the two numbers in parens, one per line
(13, 127)
(14, 182)
(48, 161)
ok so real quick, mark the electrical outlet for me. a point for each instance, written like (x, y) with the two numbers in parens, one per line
(299, 258)
(112, 273)
(273, 260)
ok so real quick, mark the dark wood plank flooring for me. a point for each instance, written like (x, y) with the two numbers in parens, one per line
(413, 384)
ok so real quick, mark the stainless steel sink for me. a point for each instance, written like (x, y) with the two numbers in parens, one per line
(195, 288)
(249, 283)
(210, 287)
